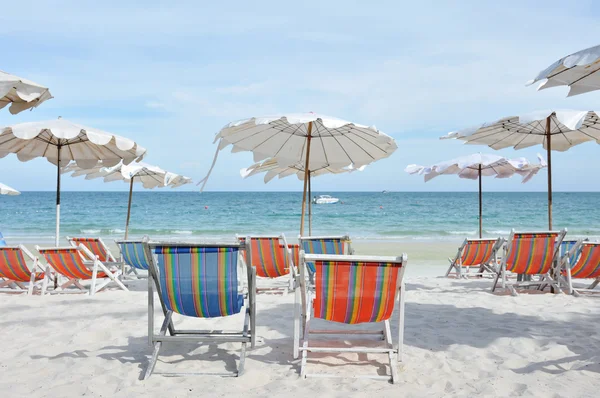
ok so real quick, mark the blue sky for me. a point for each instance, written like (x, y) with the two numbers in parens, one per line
(171, 74)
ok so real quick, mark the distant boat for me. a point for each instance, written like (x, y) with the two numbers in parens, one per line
(324, 200)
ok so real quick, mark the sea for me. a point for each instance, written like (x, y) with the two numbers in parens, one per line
(370, 216)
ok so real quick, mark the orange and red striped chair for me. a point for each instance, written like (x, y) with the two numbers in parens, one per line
(585, 258)
(96, 246)
(531, 254)
(77, 264)
(350, 290)
(479, 254)
(14, 272)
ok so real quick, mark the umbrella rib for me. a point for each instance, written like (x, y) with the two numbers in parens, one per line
(584, 77)
(364, 139)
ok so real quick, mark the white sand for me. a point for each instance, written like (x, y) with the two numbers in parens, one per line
(460, 340)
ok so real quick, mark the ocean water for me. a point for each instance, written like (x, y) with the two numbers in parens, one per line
(400, 216)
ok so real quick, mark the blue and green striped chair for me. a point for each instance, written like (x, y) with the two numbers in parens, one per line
(325, 245)
(134, 255)
(199, 281)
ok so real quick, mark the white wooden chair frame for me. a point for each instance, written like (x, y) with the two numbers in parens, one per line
(247, 335)
(93, 263)
(293, 274)
(304, 310)
(546, 279)
(567, 280)
(486, 269)
(8, 285)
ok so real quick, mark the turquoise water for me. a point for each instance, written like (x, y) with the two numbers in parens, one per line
(365, 215)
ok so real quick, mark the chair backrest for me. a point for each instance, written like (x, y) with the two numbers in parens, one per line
(269, 256)
(2, 241)
(199, 280)
(587, 265)
(13, 265)
(336, 245)
(134, 254)
(67, 261)
(532, 253)
(356, 289)
(478, 251)
(295, 249)
(566, 246)
(95, 245)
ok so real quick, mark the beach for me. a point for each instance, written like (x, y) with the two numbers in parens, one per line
(460, 340)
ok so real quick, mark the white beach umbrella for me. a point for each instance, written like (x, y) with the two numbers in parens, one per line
(479, 165)
(21, 93)
(6, 190)
(579, 71)
(60, 142)
(555, 130)
(272, 169)
(148, 175)
(311, 139)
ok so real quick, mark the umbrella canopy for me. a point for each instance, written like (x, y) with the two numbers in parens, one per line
(554, 130)
(480, 165)
(317, 141)
(148, 175)
(579, 71)
(21, 93)
(60, 142)
(6, 190)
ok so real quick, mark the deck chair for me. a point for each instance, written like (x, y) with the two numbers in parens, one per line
(77, 264)
(476, 254)
(96, 246)
(352, 290)
(14, 272)
(199, 281)
(134, 255)
(582, 262)
(325, 245)
(273, 258)
(530, 254)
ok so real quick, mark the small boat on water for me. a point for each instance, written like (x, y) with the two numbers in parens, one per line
(324, 200)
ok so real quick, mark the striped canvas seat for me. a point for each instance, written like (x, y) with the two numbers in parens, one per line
(587, 265)
(353, 292)
(14, 267)
(269, 257)
(199, 281)
(94, 245)
(531, 253)
(479, 254)
(566, 246)
(325, 245)
(134, 255)
(295, 248)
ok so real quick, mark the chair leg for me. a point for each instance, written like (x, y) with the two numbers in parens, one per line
(153, 360)
(304, 351)
(296, 323)
(240, 369)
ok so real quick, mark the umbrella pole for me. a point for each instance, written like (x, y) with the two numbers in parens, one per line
(549, 150)
(480, 205)
(129, 207)
(309, 206)
(56, 238)
(306, 177)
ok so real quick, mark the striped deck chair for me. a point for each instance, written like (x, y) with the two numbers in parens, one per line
(325, 245)
(530, 254)
(272, 257)
(477, 254)
(582, 262)
(14, 272)
(567, 246)
(133, 254)
(77, 264)
(96, 246)
(199, 281)
(351, 290)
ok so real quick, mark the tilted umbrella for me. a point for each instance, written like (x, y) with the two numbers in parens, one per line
(21, 93)
(150, 177)
(289, 140)
(272, 169)
(479, 165)
(6, 190)
(60, 142)
(579, 71)
(554, 130)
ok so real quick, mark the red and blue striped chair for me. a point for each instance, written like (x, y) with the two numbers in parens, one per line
(14, 272)
(351, 290)
(531, 254)
(582, 261)
(199, 281)
(479, 254)
(273, 258)
(77, 264)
